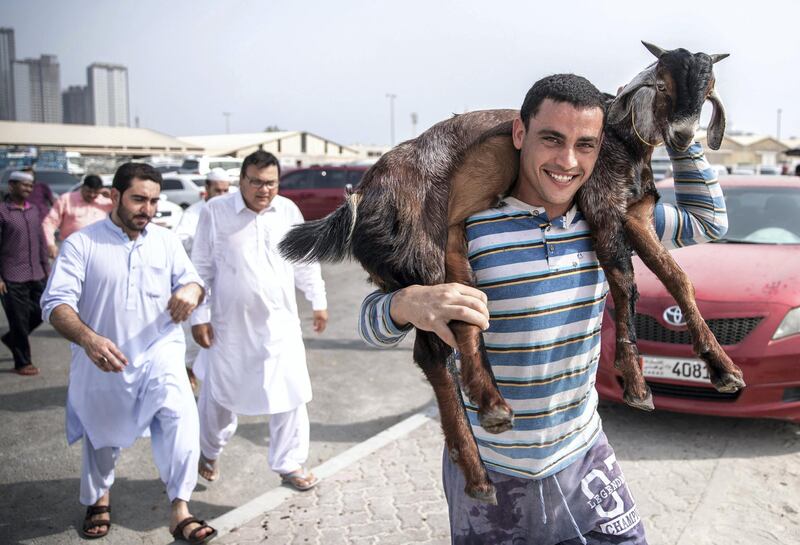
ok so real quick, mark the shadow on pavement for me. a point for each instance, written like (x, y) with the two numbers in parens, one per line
(138, 505)
(663, 435)
(313, 343)
(34, 400)
(355, 432)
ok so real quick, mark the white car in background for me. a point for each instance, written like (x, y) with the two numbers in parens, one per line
(182, 189)
(168, 214)
(203, 165)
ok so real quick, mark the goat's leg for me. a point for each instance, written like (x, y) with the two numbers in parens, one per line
(432, 355)
(725, 375)
(615, 258)
(477, 379)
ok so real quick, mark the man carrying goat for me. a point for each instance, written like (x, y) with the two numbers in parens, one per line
(541, 299)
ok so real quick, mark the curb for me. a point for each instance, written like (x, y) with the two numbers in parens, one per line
(270, 500)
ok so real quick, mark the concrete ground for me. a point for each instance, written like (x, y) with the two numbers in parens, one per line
(694, 477)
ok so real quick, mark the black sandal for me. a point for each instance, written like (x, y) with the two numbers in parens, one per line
(177, 533)
(89, 524)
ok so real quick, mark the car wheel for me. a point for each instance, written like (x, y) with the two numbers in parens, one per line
(184, 205)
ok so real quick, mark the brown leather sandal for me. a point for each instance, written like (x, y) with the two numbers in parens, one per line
(89, 524)
(177, 533)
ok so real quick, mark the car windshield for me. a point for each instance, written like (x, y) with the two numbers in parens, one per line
(758, 215)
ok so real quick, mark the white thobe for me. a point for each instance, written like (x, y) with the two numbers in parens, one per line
(120, 288)
(187, 226)
(257, 362)
(186, 229)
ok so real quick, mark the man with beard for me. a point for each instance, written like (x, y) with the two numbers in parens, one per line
(23, 269)
(119, 289)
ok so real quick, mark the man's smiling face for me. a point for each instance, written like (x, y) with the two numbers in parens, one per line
(558, 151)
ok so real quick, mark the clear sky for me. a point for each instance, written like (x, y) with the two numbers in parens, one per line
(326, 66)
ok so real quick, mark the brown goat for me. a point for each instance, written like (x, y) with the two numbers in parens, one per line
(405, 225)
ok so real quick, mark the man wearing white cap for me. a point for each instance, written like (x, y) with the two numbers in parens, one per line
(218, 182)
(23, 269)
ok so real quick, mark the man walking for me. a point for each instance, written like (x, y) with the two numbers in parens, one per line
(118, 290)
(23, 269)
(218, 182)
(255, 362)
(75, 210)
(556, 475)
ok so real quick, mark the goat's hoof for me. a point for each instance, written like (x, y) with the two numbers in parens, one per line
(485, 493)
(728, 383)
(496, 419)
(644, 403)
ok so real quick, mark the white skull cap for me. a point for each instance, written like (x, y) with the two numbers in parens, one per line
(218, 175)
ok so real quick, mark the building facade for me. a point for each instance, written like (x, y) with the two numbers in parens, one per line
(37, 90)
(77, 105)
(108, 90)
(7, 56)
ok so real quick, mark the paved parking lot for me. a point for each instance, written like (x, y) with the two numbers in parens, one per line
(697, 480)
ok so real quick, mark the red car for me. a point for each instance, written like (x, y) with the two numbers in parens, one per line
(748, 290)
(318, 191)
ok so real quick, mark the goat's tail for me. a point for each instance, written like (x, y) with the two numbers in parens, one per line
(326, 239)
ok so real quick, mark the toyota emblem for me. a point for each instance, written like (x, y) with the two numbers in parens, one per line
(674, 316)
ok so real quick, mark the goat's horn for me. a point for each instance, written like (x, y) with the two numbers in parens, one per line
(716, 57)
(654, 49)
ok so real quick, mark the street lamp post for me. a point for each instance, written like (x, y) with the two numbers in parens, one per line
(414, 119)
(391, 98)
(780, 111)
(227, 116)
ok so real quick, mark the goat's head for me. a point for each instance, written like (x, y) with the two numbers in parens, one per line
(665, 100)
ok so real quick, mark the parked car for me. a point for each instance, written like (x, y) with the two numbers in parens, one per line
(748, 291)
(318, 191)
(769, 170)
(203, 165)
(182, 189)
(59, 181)
(167, 215)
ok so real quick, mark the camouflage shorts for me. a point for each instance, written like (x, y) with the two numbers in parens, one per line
(587, 501)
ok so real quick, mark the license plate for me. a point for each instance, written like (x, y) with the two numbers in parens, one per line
(686, 369)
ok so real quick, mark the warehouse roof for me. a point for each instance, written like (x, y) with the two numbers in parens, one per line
(91, 138)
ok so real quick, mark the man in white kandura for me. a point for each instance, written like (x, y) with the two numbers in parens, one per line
(255, 362)
(218, 182)
(118, 290)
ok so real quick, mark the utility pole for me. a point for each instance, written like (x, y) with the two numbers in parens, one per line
(391, 98)
(227, 122)
(779, 124)
(414, 119)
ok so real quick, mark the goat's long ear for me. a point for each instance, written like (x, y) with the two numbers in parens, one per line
(622, 104)
(716, 128)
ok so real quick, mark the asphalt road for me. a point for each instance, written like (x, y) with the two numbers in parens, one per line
(359, 391)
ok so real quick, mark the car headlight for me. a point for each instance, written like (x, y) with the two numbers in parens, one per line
(789, 326)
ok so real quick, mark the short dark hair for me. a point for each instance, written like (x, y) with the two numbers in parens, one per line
(93, 181)
(575, 90)
(260, 159)
(127, 172)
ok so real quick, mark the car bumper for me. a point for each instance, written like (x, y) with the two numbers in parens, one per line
(771, 371)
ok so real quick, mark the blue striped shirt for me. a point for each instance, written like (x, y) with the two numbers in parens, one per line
(546, 293)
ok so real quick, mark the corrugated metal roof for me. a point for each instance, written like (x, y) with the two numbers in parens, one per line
(90, 137)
